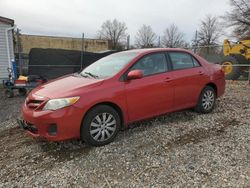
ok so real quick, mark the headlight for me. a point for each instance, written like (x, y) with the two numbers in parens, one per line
(55, 104)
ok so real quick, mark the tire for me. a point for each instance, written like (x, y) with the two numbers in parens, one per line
(231, 73)
(206, 101)
(22, 91)
(9, 93)
(245, 72)
(100, 126)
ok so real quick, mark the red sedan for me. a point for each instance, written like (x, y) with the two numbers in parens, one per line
(120, 89)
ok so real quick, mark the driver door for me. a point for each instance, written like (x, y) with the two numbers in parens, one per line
(153, 94)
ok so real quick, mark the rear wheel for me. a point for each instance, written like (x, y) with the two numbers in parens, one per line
(206, 101)
(231, 72)
(100, 126)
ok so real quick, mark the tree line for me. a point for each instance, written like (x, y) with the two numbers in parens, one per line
(207, 34)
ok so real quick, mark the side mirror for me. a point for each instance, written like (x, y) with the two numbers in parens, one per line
(135, 74)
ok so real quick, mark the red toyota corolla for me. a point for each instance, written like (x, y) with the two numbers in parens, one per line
(120, 89)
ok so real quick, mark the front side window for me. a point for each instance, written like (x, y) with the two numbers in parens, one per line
(182, 60)
(109, 65)
(151, 64)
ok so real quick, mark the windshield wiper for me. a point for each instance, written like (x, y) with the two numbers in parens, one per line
(92, 75)
(82, 75)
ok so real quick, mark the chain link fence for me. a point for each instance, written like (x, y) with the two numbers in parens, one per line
(236, 65)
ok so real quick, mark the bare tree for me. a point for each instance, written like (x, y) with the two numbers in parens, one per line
(145, 37)
(114, 31)
(173, 38)
(239, 18)
(209, 33)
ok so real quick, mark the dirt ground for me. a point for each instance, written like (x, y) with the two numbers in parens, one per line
(180, 149)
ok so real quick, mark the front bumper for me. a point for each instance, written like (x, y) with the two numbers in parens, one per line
(62, 124)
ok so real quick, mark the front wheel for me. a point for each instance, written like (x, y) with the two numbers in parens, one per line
(231, 70)
(206, 101)
(100, 126)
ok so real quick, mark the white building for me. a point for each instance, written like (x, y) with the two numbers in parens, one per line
(6, 46)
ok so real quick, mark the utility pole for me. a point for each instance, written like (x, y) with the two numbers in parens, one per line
(195, 41)
(128, 42)
(82, 51)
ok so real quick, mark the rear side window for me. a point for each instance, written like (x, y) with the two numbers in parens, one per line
(182, 60)
(151, 64)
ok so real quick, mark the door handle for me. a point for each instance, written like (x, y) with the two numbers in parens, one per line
(201, 72)
(167, 79)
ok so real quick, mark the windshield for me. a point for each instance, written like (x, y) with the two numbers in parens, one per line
(109, 65)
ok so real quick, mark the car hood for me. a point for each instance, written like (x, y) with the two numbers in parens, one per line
(66, 86)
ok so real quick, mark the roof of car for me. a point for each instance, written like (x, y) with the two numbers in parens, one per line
(149, 50)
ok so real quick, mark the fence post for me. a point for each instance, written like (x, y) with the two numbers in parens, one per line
(82, 51)
(20, 59)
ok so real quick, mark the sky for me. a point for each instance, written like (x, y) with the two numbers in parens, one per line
(72, 17)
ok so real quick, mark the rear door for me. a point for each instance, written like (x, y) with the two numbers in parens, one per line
(189, 79)
(153, 94)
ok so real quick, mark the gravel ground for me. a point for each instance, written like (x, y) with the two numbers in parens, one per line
(180, 149)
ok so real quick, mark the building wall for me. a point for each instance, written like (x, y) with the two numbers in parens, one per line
(4, 62)
(67, 43)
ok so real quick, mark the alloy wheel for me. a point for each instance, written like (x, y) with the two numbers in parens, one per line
(208, 100)
(102, 127)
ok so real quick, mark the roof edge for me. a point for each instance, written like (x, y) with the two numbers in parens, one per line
(7, 20)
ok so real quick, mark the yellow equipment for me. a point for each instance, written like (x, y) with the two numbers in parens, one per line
(236, 54)
(24, 78)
